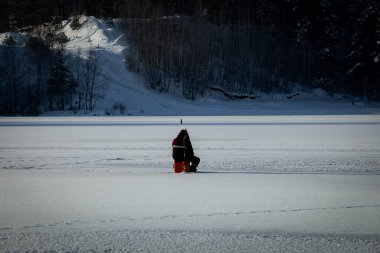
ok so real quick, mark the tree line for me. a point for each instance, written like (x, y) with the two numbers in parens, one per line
(256, 46)
(236, 45)
(191, 55)
(36, 12)
(37, 74)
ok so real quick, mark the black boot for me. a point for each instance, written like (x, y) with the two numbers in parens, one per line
(193, 168)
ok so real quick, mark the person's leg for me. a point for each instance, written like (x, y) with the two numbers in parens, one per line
(194, 163)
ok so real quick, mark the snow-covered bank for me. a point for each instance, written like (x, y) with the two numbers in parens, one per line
(131, 90)
(127, 93)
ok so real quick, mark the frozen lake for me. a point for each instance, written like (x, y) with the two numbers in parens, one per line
(332, 144)
(265, 182)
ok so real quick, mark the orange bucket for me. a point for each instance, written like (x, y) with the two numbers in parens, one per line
(180, 167)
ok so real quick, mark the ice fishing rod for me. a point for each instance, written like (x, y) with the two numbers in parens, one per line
(182, 125)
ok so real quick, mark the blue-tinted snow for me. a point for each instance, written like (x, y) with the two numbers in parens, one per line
(308, 183)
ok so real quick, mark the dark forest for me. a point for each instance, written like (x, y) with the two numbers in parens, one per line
(237, 46)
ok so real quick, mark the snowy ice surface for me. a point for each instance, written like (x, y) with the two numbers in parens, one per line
(265, 183)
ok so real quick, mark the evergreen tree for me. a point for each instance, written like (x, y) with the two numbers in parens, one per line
(364, 68)
(61, 84)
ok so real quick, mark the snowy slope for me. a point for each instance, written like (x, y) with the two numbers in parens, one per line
(131, 90)
(124, 86)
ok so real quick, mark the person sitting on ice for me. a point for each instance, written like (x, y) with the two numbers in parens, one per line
(183, 150)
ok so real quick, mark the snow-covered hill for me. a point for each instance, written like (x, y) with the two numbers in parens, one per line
(123, 86)
(130, 89)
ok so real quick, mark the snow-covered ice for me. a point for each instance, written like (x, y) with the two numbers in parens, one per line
(265, 183)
